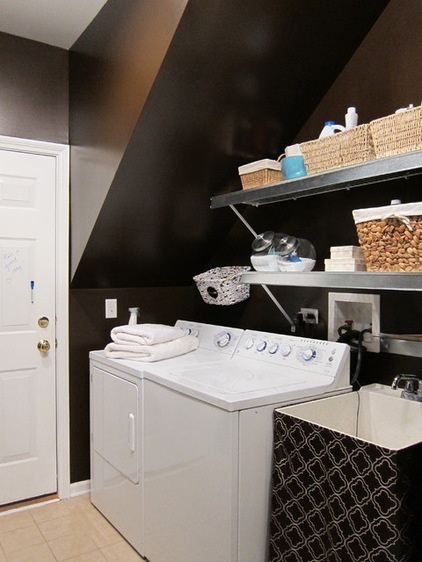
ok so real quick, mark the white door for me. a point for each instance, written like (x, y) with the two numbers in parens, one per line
(28, 465)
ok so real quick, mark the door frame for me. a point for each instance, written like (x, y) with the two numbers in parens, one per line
(61, 153)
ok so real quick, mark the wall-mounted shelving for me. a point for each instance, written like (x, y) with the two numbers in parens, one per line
(367, 173)
(338, 280)
(401, 345)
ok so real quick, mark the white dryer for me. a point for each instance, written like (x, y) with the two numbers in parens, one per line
(116, 452)
(208, 441)
(116, 418)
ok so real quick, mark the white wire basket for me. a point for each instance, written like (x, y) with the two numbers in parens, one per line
(222, 285)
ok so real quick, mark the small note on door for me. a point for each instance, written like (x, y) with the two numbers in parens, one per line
(11, 264)
(15, 286)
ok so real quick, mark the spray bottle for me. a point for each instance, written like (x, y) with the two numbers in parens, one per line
(134, 313)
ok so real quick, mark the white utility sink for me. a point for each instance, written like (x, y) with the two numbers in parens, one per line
(376, 414)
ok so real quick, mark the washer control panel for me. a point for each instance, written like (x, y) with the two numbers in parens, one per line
(221, 339)
(319, 356)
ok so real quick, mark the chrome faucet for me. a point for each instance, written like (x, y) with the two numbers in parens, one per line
(411, 387)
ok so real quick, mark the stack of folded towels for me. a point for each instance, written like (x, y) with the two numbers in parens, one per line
(149, 342)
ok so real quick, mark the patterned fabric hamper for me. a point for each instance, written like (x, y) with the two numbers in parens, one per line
(391, 237)
(337, 498)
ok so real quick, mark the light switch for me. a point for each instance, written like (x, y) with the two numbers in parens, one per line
(111, 308)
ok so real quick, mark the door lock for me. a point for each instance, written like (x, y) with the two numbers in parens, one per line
(43, 346)
(43, 322)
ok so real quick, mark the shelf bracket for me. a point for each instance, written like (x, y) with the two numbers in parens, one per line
(245, 222)
(266, 289)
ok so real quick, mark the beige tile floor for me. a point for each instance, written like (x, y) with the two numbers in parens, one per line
(69, 530)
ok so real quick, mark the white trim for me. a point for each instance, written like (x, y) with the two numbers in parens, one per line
(26, 507)
(61, 153)
(80, 488)
(76, 489)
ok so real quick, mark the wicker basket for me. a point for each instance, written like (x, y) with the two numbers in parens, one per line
(391, 237)
(397, 133)
(341, 149)
(259, 173)
(222, 285)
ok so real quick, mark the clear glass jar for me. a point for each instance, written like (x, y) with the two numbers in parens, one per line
(264, 255)
(295, 254)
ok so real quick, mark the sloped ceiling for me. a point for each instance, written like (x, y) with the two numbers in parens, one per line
(167, 102)
(54, 22)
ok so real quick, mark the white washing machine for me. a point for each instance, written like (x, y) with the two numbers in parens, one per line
(116, 417)
(208, 441)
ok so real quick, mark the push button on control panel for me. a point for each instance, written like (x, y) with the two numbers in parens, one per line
(285, 350)
(261, 346)
(273, 348)
(249, 343)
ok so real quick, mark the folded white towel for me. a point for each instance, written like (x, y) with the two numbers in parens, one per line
(145, 334)
(154, 352)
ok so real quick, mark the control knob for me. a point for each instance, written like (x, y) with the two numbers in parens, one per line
(191, 331)
(223, 339)
(308, 354)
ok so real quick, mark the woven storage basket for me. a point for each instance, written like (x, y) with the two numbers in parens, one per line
(341, 149)
(397, 133)
(222, 285)
(391, 237)
(261, 172)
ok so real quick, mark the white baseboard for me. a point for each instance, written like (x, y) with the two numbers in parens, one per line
(76, 489)
(28, 506)
(80, 488)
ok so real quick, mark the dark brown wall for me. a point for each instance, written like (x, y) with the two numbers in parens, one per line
(385, 73)
(236, 83)
(218, 99)
(113, 66)
(34, 84)
(90, 330)
(325, 220)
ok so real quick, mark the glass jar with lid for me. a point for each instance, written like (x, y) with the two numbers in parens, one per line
(295, 254)
(264, 251)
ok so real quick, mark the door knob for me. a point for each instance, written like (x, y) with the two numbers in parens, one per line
(43, 346)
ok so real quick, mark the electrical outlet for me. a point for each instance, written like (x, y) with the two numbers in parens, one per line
(111, 308)
(310, 315)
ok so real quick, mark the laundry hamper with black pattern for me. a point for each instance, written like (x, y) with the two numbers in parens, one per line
(222, 285)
